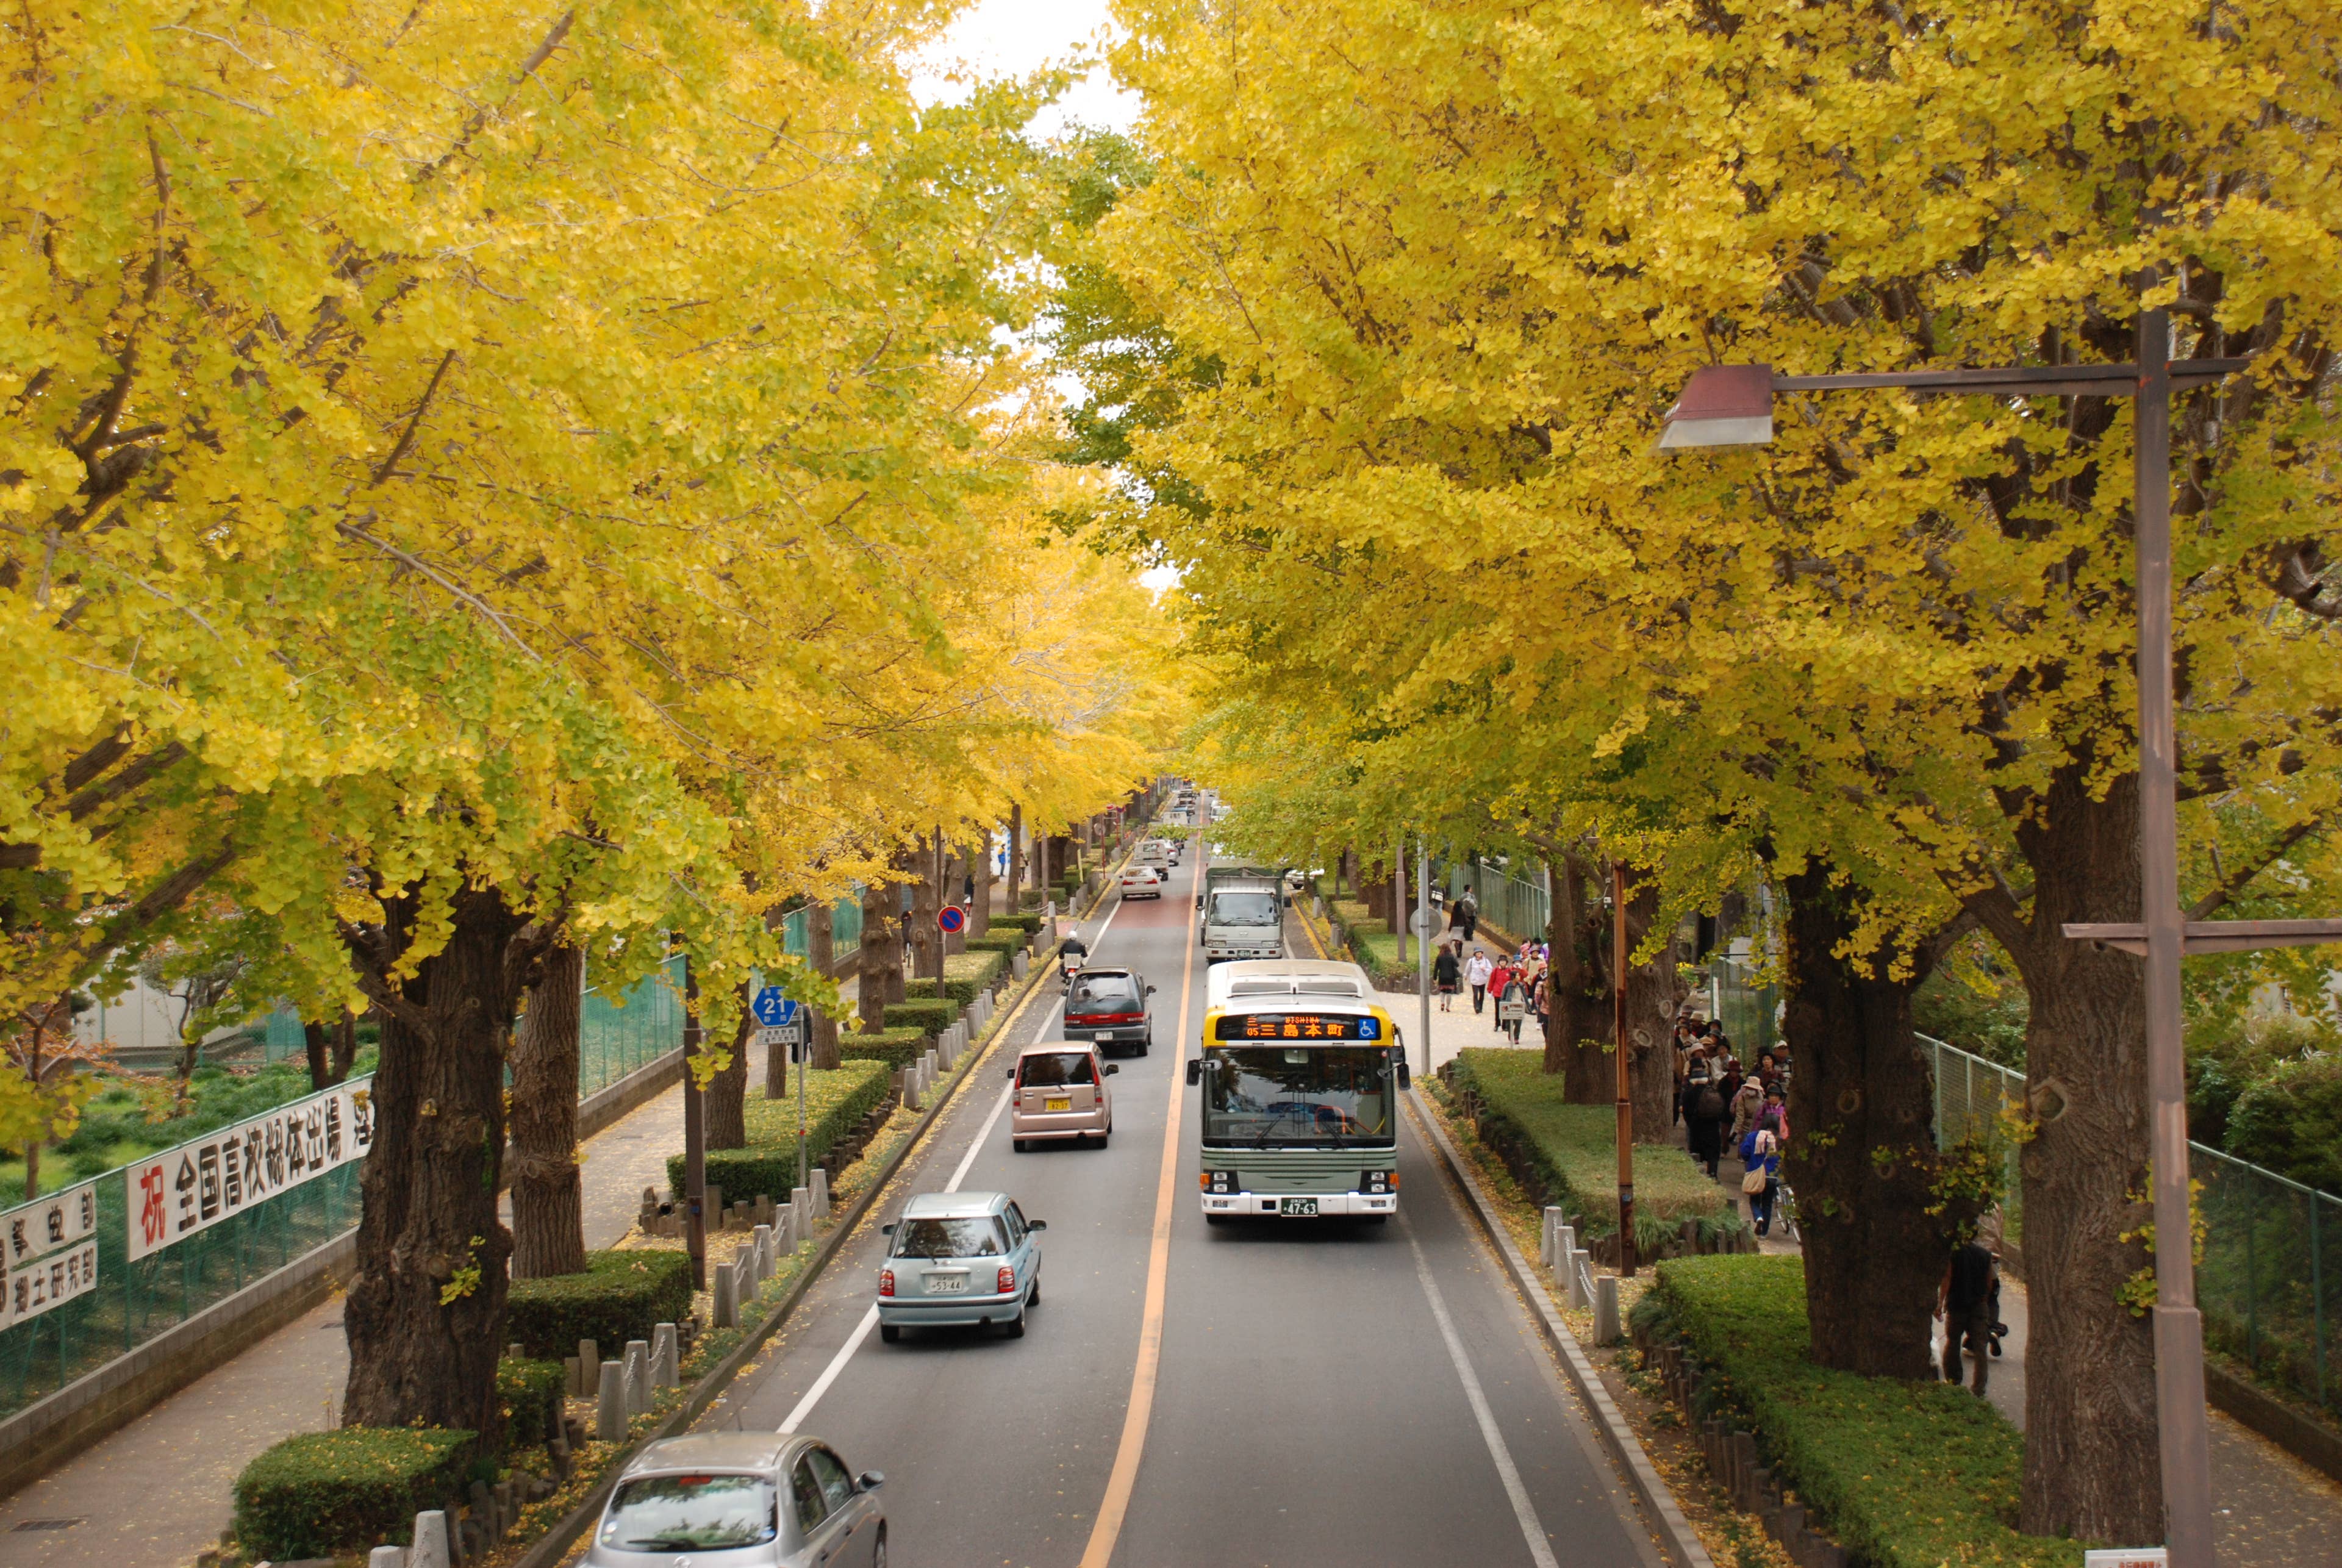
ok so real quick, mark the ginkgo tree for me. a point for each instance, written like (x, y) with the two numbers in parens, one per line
(1431, 276)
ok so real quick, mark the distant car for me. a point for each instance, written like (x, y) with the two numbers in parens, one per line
(1108, 1008)
(1061, 1093)
(959, 1259)
(1143, 881)
(756, 1499)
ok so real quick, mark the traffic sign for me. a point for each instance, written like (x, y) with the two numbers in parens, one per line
(773, 1010)
(952, 918)
(784, 1036)
(1425, 923)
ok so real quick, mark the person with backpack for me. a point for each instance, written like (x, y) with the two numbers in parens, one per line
(1760, 1175)
(1704, 1113)
(1470, 906)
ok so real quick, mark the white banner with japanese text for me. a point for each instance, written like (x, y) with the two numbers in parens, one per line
(49, 1253)
(181, 1190)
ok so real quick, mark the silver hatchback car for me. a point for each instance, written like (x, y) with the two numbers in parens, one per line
(758, 1500)
(959, 1259)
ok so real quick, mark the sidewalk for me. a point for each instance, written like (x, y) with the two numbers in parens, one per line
(156, 1493)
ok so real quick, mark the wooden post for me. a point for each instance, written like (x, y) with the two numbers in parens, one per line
(1622, 1044)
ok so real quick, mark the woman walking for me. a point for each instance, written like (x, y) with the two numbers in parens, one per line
(1760, 1177)
(1447, 975)
(1476, 971)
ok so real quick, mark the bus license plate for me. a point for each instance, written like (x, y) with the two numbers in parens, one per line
(1297, 1206)
(1064, 1104)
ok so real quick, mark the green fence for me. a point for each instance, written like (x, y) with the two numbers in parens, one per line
(1519, 909)
(845, 928)
(1746, 1004)
(2268, 1295)
(137, 1301)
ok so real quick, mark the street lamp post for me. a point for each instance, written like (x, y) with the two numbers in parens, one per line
(1732, 405)
(1625, 1069)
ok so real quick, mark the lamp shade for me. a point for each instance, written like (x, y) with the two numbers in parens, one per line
(1724, 405)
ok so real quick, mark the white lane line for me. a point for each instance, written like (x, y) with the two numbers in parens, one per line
(1524, 1511)
(870, 1318)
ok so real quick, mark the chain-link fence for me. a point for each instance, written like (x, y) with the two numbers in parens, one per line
(130, 1302)
(1519, 909)
(2267, 1293)
(845, 928)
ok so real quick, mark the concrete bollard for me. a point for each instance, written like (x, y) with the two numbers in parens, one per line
(1552, 1229)
(486, 1514)
(763, 1245)
(911, 1088)
(801, 1200)
(1606, 1308)
(666, 1365)
(725, 1288)
(820, 1193)
(431, 1549)
(387, 1557)
(785, 1231)
(638, 1376)
(589, 1368)
(1020, 964)
(573, 1377)
(610, 1404)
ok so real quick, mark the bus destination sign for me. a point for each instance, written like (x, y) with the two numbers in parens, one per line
(1298, 1026)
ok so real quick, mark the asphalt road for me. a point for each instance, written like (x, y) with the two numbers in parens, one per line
(1327, 1393)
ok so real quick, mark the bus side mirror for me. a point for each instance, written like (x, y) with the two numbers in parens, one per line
(1195, 1070)
(1199, 901)
(1405, 1078)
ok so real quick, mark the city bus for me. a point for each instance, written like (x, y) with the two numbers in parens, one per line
(1300, 1074)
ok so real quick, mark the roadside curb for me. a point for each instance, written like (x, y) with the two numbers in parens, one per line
(1675, 1533)
(550, 1548)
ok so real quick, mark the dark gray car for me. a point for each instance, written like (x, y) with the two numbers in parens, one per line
(1108, 1006)
(756, 1499)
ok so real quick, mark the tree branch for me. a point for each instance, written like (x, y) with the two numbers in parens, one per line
(2238, 879)
(413, 422)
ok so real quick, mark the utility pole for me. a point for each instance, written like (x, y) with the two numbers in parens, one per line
(1626, 1070)
(1422, 944)
(695, 1136)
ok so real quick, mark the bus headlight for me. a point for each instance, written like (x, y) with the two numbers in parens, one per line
(1380, 1181)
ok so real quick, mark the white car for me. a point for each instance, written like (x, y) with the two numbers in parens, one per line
(1144, 880)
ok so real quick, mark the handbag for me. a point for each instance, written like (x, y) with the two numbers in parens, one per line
(1755, 1182)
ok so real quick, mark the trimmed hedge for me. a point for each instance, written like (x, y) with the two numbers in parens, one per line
(1028, 923)
(964, 975)
(326, 1492)
(836, 1100)
(1574, 1150)
(895, 1047)
(920, 1011)
(1003, 942)
(1904, 1474)
(622, 1295)
(532, 1390)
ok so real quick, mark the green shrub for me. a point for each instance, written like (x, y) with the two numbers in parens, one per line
(1027, 922)
(964, 975)
(2291, 1122)
(836, 1100)
(532, 1390)
(1904, 1474)
(895, 1047)
(345, 1491)
(622, 1295)
(1574, 1151)
(921, 1011)
(996, 941)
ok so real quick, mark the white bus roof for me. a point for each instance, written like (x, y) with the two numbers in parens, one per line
(1269, 981)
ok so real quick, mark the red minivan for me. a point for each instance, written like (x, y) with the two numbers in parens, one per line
(1061, 1093)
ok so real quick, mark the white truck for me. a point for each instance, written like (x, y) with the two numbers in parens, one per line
(1240, 913)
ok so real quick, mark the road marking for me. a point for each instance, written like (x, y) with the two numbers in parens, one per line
(984, 1136)
(1524, 1511)
(1124, 1478)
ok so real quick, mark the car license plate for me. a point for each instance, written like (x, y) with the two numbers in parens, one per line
(1064, 1104)
(1297, 1206)
(947, 1284)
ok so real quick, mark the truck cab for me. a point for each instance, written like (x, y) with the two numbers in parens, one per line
(1240, 913)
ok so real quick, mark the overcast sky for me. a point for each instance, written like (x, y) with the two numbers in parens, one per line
(1011, 37)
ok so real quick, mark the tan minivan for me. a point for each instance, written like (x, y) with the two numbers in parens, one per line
(1061, 1093)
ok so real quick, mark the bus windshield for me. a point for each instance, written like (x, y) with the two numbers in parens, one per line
(1322, 1095)
(1244, 907)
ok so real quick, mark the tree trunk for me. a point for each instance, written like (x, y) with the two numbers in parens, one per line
(821, 947)
(879, 899)
(727, 1106)
(316, 1047)
(979, 923)
(345, 1045)
(425, 1310)
(548, 1195)
(927, 900)
(1653, 994)
(2091, 1429)
(1862, 1151)
(1015, 857)
(1578, 1015)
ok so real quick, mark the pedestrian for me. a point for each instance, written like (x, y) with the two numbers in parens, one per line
(1768, 1068)
(1447, 975)
(1471, 908)
(1499, 978)
(1511, 1008)
(1476, 970)
(1775, 1114)
(1704, 1113)
(1964, 1303)
(1760, 1175)
(1747, 1102)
